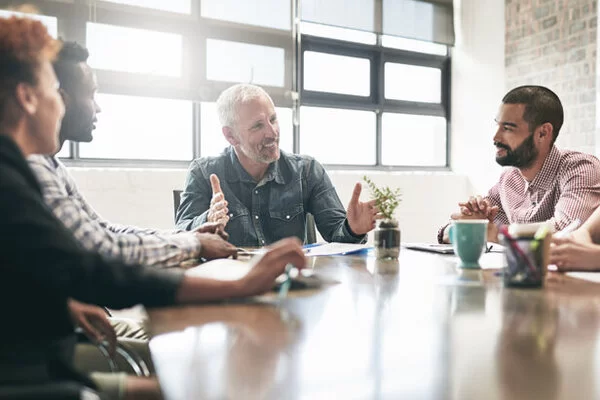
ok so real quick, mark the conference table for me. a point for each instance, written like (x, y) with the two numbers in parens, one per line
(429, 331)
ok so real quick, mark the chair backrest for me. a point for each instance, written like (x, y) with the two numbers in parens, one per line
(311, 233)
(176, 202)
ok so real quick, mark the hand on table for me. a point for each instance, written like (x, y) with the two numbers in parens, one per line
(361, 216)
(213, 246)
(571, 254)
(94, 322)
(272, 264)
(212, 227)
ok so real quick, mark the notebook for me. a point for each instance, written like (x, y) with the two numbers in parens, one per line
(447, 248)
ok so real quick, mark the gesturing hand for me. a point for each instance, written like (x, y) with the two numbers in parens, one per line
(94, 322)
(218, 211)
(272, 264)
(570, 254)
(361, 216)
(213, 246)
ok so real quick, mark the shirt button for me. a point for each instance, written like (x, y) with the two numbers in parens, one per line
(287, 217)
(263, 242)
(256, 192)
(231, 215)
(256, 217)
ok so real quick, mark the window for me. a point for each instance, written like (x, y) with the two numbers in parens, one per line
(141, 128)
(178, 6)
(117, 48)
(355, 14)
(51, 23)
(336, 74)
(384, 106)
(65, 151)
(336, 136)
(268, 13)
(413, 140)
(413, 83)
(212, 140)
(241, 62)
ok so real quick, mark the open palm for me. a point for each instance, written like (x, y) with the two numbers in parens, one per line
(361, 215)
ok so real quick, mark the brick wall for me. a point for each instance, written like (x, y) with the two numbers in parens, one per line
(553, 43)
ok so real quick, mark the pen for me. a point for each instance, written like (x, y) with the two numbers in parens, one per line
(285, 286)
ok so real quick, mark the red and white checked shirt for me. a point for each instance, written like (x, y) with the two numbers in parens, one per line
(566, 188)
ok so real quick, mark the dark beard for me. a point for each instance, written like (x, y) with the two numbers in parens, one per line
(521, 157)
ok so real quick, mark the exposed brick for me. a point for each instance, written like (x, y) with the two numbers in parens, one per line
(553, 43)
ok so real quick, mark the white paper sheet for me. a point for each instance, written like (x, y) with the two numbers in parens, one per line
(586, 276)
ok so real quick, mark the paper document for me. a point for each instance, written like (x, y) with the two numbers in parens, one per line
(229, 270)
(586, 276)
(335, 249)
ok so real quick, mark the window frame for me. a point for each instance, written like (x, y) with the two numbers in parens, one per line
(377, 102)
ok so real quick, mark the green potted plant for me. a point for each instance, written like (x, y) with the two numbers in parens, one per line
(387, 232)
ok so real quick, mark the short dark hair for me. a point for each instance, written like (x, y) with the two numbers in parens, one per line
(71, 54)
(541, 105)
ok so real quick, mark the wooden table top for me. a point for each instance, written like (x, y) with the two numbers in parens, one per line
(430, 331)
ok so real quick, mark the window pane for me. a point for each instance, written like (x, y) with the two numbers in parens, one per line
(270, 13)
(336, 136)
(118, 48)
(413, 83)
(337, 74)
(420, 46)
(144, 128)
(65, 152)
(355, 14)
(413, 140)
(334, 32)
(212, 141)
(51, 23)
(178, 6)
(240, 62)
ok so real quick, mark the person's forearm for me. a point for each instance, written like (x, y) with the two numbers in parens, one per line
(198, 290)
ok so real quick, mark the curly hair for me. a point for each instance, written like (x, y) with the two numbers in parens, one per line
(24, 44)
(71, 54)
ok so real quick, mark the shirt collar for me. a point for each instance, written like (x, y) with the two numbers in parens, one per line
(547, 176)
(238, 173)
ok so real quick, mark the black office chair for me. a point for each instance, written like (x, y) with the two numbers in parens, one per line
(48, 391)
(176, 202)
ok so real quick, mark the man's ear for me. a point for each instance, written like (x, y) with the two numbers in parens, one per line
(26, 98)
(230, 136)
(546, 131)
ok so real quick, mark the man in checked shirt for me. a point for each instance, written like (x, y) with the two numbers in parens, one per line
(541, 183)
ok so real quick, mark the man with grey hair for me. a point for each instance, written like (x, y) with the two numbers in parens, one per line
(260, 193)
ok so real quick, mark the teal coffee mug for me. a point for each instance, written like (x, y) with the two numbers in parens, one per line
(469, 238)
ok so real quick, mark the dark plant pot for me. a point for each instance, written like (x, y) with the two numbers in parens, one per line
(387, 239)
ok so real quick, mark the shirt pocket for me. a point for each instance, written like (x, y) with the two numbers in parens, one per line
(288, 222)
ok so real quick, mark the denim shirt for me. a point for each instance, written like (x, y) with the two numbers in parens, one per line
(263, 212)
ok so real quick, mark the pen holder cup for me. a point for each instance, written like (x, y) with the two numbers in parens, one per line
(526, 260)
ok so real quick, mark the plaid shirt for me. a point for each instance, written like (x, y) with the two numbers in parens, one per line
(130, 245)
(566, 188)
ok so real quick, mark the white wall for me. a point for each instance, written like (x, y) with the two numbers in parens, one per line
(144, 197)
(478, 85)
